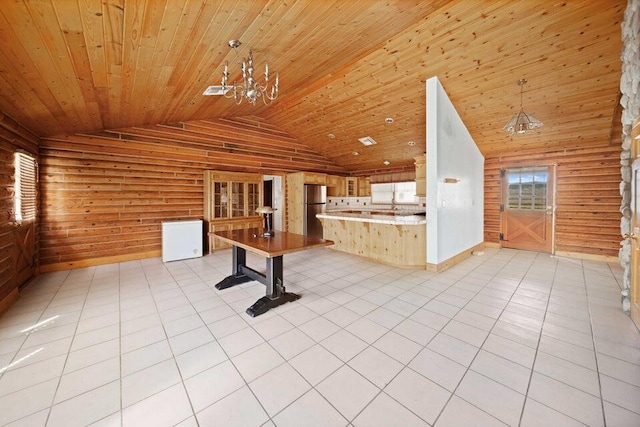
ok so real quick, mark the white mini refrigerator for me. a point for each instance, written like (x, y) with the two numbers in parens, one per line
(181, 240)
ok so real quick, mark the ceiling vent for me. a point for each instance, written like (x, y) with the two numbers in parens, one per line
(215, 90)
(367, 140)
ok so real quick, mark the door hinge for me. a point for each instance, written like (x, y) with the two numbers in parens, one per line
(501, 207)
(503, 172)
(501, 237)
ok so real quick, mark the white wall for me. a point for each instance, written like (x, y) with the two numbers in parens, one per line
(455, 212)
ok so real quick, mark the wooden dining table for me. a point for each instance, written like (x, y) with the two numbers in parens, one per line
(273, 248)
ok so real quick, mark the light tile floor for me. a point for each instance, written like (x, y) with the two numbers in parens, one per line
(508, 338)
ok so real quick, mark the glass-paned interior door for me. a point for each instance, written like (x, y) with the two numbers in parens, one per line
(237, 199)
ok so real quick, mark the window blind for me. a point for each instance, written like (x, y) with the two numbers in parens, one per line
(26, 179)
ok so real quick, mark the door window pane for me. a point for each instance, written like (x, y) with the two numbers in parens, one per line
(527, 188)
(253, 196)
(237, 202)
(220, 200)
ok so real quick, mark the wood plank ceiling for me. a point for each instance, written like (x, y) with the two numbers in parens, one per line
(80, 66)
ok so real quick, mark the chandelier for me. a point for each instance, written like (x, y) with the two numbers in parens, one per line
(521, 122)
(249, 88)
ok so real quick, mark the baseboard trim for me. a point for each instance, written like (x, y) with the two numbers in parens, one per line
(6, 302)
(587, 257)
(437, 268)
(48, 268)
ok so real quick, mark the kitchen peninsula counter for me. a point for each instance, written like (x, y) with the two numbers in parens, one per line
(375, 217)
(398, 240)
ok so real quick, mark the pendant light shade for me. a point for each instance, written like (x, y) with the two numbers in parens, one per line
(521, 122)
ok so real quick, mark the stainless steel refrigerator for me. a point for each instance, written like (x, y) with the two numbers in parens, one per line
(315, 197)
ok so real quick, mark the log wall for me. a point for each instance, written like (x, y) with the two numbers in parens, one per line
(105, 195)
(587, 197)
(13, 137)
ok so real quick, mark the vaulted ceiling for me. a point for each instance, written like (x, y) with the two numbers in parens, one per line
(80, 66)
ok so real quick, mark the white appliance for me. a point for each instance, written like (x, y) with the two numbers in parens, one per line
(181, 240)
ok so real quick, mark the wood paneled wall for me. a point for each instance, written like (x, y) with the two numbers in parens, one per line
(13, 137)
(104, 196)
(588, 197)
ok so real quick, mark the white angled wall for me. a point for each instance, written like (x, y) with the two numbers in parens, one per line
(455, 211)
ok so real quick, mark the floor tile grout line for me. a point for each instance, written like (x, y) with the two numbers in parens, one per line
(453, 393)
(120, 339)
(343, 363)
(52, 404)
(449, 286)
(535, 356)
(246, 384)
(595, 347)
(540, 351)
(39, 319)
(413, 358)
(175, 361)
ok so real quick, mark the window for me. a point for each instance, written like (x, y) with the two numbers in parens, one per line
(25, 196)
(396, 192)
(527, 188)
(382, 193)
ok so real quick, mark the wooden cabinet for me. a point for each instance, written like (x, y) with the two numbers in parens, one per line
(338, 187)
(421, 176)
(315, 178)
(332, 181)
(295, 202)
(230, 202)
(364, 187)
(352, 187)
(399, 245)
(233, 224)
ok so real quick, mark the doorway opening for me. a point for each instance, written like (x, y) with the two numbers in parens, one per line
(273, 195)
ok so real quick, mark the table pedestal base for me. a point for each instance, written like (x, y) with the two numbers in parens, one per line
(232, 280)
(275, 293)
(264, 304)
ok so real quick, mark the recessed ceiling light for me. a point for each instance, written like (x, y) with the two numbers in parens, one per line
(355, 153)
(388, 120)
(331, 136)
(411, 143)
(386, 162)
(367, 140)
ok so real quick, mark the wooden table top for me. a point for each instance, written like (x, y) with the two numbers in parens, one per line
(282, 243)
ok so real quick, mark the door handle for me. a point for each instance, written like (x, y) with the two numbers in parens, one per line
(630, 236)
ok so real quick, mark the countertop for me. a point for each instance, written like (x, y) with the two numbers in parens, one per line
(391, 218)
